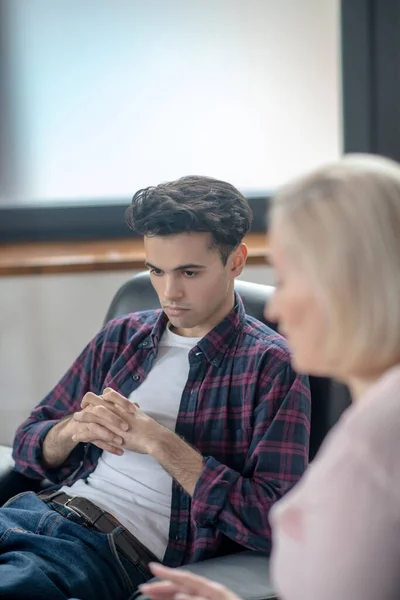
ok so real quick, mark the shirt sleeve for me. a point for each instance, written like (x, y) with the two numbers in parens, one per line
(238, 503)
(63, 400)
(336, 535)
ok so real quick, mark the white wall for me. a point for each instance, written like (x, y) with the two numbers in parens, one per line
(109, 97)
(45, 321)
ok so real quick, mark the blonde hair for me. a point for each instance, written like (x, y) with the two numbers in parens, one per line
(343, 223)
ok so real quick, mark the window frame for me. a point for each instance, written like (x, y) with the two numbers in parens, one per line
(88, 220)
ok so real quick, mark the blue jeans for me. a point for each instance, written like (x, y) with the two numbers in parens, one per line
(45, 555)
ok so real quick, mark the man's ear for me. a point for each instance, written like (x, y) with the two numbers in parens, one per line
(238, 259)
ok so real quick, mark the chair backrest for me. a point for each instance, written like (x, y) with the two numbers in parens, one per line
(329, 399)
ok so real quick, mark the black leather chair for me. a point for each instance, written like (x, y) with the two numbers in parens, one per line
(247, 572)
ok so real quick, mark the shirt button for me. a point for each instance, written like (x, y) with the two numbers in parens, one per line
(136, 378)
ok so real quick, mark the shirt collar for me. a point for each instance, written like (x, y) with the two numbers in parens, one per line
(215, 344)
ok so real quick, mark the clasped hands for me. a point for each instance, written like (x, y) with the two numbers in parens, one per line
(114, 424)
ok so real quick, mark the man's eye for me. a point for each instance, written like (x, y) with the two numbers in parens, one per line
(190, 274)
(155, 272)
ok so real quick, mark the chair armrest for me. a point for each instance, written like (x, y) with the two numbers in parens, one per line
(245, 573)
(6, 461)
(12, 482)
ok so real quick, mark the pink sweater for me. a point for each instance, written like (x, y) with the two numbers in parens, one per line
(336, 535)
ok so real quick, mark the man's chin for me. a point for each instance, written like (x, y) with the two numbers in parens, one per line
(180, 323)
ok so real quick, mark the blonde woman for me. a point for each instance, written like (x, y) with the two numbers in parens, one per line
(335, 244)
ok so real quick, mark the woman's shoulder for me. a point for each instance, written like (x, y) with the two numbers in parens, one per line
(371, 427)
(362, 448)
(375, 417)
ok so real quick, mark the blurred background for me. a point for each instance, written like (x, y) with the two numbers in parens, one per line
(107, 97)
(100, 98)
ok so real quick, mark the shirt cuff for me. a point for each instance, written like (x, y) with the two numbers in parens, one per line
(34, 457)
(211, 492)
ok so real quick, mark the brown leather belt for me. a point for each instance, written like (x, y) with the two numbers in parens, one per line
(101, 520)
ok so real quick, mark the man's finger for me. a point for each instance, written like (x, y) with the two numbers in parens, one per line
(100, 401)
(88, 432)
(111, 399)
(111, 395)
(121, 410)
(89, 398)
(102, 416)
(108, 448)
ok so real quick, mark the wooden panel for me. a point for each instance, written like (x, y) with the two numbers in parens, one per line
(84, 257)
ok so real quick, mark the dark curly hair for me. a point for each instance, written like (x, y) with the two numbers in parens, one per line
(192, 203)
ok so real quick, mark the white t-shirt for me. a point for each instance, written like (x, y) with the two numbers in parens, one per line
(134, 487)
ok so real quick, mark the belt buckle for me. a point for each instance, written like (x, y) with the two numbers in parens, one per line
(73, 509)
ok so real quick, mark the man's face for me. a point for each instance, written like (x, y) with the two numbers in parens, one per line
(194, 288)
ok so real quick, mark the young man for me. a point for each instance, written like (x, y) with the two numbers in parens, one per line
(175, 430)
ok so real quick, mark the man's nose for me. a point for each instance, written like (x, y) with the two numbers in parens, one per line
(172, 289)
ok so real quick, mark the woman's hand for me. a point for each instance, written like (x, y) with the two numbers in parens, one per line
(183, 585)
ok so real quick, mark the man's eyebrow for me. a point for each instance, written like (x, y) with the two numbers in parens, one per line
(186, 267)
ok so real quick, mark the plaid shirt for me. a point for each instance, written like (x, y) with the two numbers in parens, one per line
(243, 407)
